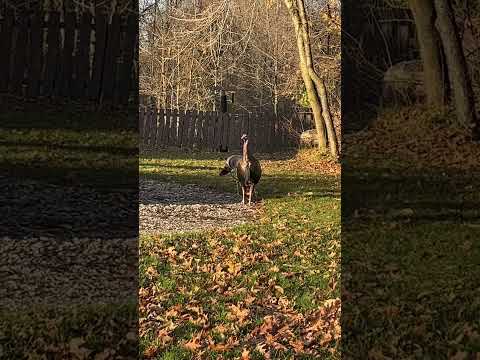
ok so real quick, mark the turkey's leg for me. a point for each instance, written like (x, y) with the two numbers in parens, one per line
(250, 195)
(243, 194)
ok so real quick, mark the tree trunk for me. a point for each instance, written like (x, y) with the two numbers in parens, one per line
(319, 83)
(322, 92)
(307, 80)
(457, 66)
(424, 15)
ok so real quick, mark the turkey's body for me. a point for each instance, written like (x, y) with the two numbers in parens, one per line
(249, 172)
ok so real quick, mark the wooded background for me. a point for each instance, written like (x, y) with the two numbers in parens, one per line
(193, 51)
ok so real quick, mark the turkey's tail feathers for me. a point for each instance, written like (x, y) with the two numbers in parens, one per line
(225, 171)
(230, 165)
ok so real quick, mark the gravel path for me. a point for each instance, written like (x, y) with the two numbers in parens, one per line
(168, 207)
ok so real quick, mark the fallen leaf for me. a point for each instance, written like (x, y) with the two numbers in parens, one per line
(245, 355)
(194, 343)
(150, 352)
(75, 347)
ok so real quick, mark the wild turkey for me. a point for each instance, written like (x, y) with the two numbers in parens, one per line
(249, 171)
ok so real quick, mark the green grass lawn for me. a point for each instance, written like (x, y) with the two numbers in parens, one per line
(410, 249)
(265, 288)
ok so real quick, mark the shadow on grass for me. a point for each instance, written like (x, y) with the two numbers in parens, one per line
(269, 187)
(43, 114)
(410, 263)
(46, 146)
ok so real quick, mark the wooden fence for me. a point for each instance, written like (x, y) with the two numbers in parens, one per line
(53, 55)
(214, 131)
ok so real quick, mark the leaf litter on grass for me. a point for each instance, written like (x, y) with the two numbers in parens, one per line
(413, 138)
(265, 290)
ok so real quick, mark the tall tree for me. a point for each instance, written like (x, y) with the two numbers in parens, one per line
(424, 15)
(314, 85)
(457, 66)
(437, 31)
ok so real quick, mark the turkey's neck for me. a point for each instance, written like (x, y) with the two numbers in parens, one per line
(245, 151)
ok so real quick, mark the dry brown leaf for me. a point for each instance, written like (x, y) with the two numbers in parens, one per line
(150, 352)
(173, 311)
(236, 313)
(194, 343)
(297, 346)
(245, 355)
(218, 347)
(234, 268)
(76, 349)
(163, 336)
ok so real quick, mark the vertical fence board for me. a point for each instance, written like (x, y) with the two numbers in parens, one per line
(201, 128)
(173, 127)
(148, 128)
(255, 132)
(67, 55)
(155, 126)
(238, 131)
(197, 136)
(53, 44)
(101, 22)
(110, 63)
(161, 127)
(211, 131)
(191, 131)
(19, 56)
(226, 131)
(218, 129)
(166, 133)
(186, 129)
(6, 48)
(181, 129)
(82, 57)
(152, 127)
(129, 46)
(233, 138)
(271, 133)
(35, 55)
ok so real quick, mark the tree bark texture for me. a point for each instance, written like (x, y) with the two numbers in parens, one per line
(424, 15)
(457, 66)
(313, 84)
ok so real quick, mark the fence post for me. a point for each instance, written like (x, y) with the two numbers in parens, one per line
(173, 127)
(19, 60)
(6, 48)
(67, 55)
(82, 59)
(110, 63)
(99, 58)
(35, 60)
(161, 127)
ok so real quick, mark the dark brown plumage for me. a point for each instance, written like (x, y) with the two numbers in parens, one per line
(249, 171)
